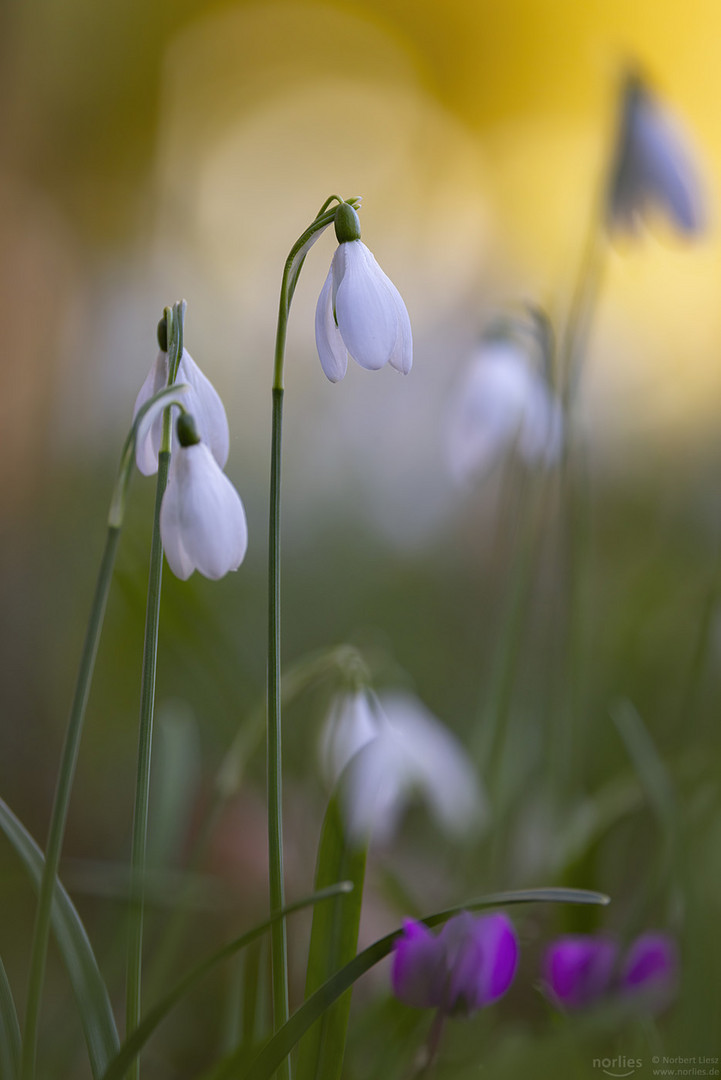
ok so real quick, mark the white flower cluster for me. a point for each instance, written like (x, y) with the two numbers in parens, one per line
(202, 519)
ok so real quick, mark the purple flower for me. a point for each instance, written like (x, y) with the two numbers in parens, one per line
(651, 969)
(578, 969)
(418, 967)
(471, 963)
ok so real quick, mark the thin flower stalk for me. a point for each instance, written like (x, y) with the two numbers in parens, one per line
(174, 321)
(279, 962)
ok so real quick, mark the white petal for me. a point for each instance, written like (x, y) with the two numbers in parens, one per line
(655, 166)
(331, 350)
(402, 356)
(541, 437)
(437, 764)
(171, 532)
(486, 412)
(349, 725)
(374, 792)
(148, 447)
(669, 172)
(202, 520)
(365, 306)
(206, 407)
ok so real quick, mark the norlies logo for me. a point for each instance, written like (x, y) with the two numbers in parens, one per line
(618, 1066)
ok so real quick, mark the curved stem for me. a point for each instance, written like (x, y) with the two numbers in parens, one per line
(61, 801)
(279, 957)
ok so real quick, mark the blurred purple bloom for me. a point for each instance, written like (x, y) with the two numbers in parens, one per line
(418, 968)
(578, 969)
(650, 969)
(471, 963)
(653, 166)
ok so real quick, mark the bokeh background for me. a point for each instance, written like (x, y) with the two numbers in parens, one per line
(153, 151)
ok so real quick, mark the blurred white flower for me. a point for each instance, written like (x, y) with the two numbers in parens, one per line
(202, 520)
(203, 402)
(502, 402)
(359, 310)
(390, 749)
(653, 166)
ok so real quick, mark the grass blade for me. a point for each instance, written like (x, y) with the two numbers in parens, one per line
(88, 986)
(132, 1046)
(333, 943)
(9, 1030)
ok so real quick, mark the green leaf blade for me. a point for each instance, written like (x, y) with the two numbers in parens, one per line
(90, 991)
(9, 1030)
(333, 943)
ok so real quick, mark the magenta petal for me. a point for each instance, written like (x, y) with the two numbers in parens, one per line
(481, 955)
(417, 973)
(651, 969)
(501, 947)
(463, 962)
(578, 969)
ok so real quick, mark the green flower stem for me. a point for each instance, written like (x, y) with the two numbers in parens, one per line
(142, 788)
(279, 957)
(576, 500)
(580, 314)
(174, 320)
(61, 801)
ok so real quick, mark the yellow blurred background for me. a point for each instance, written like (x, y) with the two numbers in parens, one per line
(152, 151)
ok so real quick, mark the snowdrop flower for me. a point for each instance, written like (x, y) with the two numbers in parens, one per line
(202, 401)
(582, 969)
(653, 167)
(388, 749)
(578, 969)
(202, 520)
(502, 402)
(359, 310)
(470, 964)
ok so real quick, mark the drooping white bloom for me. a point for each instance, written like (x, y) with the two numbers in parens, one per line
(653, 166)
(203, 402)
(359, 310)
(388, 750)
(202, 520)
(502, 402)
